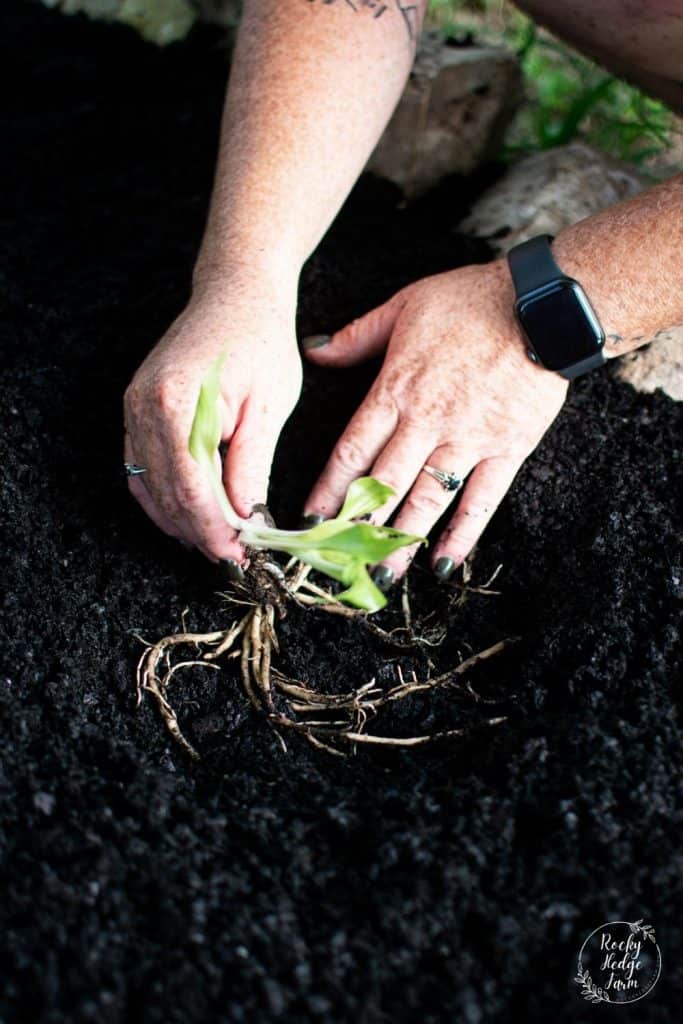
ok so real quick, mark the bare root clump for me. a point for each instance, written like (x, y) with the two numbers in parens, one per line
(335, 722)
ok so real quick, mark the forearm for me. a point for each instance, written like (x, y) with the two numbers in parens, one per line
(628, 259)
(311, 89)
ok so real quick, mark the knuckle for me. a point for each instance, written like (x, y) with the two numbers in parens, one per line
(424, 503)
(349, 455)
(351, 332)
(164, 394)
(459, 542)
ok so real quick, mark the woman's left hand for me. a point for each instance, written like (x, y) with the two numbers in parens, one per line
(456, 391)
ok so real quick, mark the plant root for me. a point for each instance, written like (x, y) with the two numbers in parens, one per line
(334, 722)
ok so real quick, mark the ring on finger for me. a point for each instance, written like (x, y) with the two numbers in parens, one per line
(449, 481)
(132, 469)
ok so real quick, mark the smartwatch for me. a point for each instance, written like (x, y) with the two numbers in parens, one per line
(559, 324)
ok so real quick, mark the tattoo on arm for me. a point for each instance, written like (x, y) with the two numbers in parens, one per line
(409, 12)
(635, 340)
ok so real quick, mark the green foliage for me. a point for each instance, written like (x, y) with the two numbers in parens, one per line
(568, 96)
(158, 21)
(340, 548)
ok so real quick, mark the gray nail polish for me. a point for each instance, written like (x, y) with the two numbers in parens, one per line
(232, 570)
(315, 341)
(383, 577)
(312, 519)
(444, 568)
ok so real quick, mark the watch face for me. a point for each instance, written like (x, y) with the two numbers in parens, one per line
(560, 325)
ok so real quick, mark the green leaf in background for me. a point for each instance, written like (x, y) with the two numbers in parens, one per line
(158, 21)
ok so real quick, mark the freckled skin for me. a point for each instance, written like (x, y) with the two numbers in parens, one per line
(312, 86)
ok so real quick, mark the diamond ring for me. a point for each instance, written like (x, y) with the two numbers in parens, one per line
(449, 481)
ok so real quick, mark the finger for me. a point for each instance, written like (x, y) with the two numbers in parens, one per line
(425, 503)
(358, 447)
(183, 495)
(199, 508)
(484, 491)
(198, 511)
(247, 465)
(399, 465)
(363, 338)
(137, 488)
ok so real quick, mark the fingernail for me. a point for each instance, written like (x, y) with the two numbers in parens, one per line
(315, 341)
(309, 520)
(444, 568)
(383, 577)
(232, 570)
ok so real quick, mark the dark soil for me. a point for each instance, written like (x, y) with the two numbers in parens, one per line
(453, 884)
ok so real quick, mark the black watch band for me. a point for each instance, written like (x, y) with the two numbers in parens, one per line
(534, 273)
(532, 265)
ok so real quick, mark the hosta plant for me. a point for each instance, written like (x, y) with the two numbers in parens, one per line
(342, 548)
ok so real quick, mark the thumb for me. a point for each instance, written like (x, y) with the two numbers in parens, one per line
(246, 469)
(363, 338)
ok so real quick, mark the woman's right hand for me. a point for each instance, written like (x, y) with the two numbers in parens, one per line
(261, 380)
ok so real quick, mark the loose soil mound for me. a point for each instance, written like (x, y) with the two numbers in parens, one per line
(454, 883)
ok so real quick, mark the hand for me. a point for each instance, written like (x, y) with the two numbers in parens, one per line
(261, 381)
(456, 391)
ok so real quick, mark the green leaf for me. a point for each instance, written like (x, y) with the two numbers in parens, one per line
(363, 593)
(337, 565)
(371, 543)
(346, 553)
(364, 496)
(205, 436)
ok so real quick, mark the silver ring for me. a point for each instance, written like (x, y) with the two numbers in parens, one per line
(449, 481)
(130, 469)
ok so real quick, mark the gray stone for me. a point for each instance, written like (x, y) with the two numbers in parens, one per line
(545, 192)
(660, 365)
(548, 191)
(451, 116)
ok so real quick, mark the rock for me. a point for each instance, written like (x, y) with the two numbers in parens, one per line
(44, 802)
(544, 193)
(660, 365)
(452, 114)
